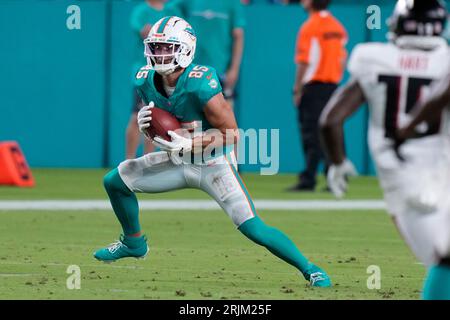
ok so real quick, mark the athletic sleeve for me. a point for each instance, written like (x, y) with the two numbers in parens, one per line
(209, 87)
(303, 46)
(141, 93)
(238, 15)
(141, 84)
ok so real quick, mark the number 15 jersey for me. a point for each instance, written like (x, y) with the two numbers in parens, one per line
(393, 80)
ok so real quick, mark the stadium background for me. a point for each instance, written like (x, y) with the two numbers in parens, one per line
(66, 94)
(65, 97)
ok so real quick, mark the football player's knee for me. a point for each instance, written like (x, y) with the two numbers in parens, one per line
(239, 210)
(113, 182)
(108, 180)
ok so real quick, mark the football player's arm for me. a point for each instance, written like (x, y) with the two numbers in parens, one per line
(341, 105)
(427, 111)
(302, 68)
(220, 115)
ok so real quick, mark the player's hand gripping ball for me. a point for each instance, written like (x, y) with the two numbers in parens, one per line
(155, 122)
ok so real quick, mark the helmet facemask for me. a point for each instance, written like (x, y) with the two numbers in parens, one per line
(162, 56)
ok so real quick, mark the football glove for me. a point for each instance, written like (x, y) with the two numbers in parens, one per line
(174, 148)
(337, 177)
(176, 158)
(144, 118)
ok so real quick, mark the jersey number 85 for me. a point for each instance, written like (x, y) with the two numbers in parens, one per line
(198, 72)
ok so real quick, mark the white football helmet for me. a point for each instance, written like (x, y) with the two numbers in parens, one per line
(170, 44)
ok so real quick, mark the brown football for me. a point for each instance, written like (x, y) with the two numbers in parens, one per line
(162, 122)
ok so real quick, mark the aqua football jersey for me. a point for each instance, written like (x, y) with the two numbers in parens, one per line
(195, 87)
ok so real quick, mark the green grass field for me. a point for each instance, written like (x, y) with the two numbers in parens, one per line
(198, 254)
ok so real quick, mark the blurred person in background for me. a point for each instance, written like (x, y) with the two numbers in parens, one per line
(320, 57)
(142, 18)
(220, 27)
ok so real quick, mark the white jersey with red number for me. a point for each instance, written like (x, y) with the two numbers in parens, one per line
(393, 80)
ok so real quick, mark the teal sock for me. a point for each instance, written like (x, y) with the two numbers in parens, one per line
(276, 242)
(123, 201)
(134, 242)
(437, 284)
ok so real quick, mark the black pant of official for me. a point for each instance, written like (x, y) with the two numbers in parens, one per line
(314, 99)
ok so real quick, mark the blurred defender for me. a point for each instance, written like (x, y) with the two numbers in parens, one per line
(193, 94)
(438, 281)
(391, 78)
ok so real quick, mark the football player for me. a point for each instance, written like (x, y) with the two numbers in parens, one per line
(193, 94)
(438, 281)
(391, 77)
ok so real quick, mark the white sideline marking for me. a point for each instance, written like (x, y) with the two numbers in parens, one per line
(80, 205)
(11, 275)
